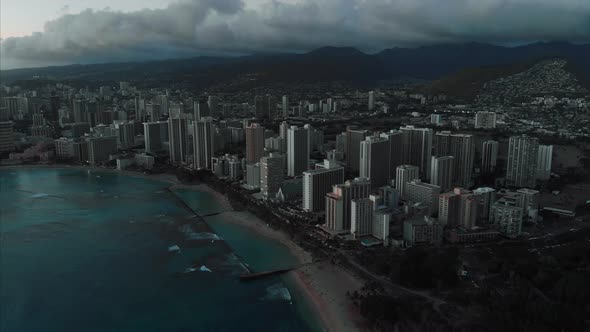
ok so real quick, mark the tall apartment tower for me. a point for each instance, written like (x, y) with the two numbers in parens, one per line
(6, 136)
(213, 104)
(254, 143)
(417, 148)
(461, 147)
(272, 174)
(486, 197)
(153, 111)
(264, 107)
(361, 217)
(448, 208)
(318, 182)
(468, 210)
(126, 131)
(354, 137)
(395, 150)
(374, 161)
(544, 159)
(297, 151)
(203, 144)
(371, 100)
(425, 193)
(177, 129)
(152, 135)
(489, 156)
(285, 106)
(338, 202)
(442, 172)
(486, 120)
(201, 110)
(458, 208)
(283, 133)
(403, 175)
(522, 161)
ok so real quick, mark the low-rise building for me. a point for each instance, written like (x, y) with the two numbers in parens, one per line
(424, 230)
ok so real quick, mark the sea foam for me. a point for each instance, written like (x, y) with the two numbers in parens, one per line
(277, 292)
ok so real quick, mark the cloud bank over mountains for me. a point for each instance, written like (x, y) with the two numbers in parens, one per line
(203, 27)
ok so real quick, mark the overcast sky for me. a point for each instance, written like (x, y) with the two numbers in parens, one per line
(48, 32)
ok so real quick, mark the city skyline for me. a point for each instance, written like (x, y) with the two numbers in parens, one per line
(440, 184)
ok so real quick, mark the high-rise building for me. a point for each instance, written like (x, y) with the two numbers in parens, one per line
(374, 160)
(272, 175)
(354, 137)
(126, 131)
(361, 217)
(253, 175)
(285, 106)
(458, 208)
(318, 182)
(436, 119)
(201, 110)
(395, 150)
(297, 151)
(264, 107)
(164, 104)
(449, 208)
(417, 148)
(442, 172)
(341, 143)
(468, 210)
(528, 199)
(64, 148)
(100, 148)
(486, 120)
(274, 144)
(389, 196)
(139, 108)
(461, 147)
(522, 161)
(381, 222)
(80, 151)
(153, 135)
(486, 197)
(371, 100)
(338, 202)
(6, 136)
(254, 143)
(544, 160)
(425, 193)
(153, 111)
(178, 138)
(403, 175)
(489, 156)
(506, 216)
(203, 144)
(4, 114)
(79, 110)
(213, 104)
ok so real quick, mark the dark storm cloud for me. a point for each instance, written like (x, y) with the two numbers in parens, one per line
(192, 27)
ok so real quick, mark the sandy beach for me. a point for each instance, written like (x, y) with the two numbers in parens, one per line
(323, 283)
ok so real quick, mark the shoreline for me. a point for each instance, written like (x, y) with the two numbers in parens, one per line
(323, 284)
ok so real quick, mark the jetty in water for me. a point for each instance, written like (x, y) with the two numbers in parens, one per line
(257, 275)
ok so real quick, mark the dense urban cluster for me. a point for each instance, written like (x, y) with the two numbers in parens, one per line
(388, 169)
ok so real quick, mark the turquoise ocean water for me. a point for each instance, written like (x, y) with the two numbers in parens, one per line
(89, 251)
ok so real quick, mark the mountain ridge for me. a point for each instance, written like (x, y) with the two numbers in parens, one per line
(323, 64)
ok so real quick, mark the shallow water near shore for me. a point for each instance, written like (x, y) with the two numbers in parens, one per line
(93, 251)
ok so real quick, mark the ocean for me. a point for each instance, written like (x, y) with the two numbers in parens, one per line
(84, 250)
